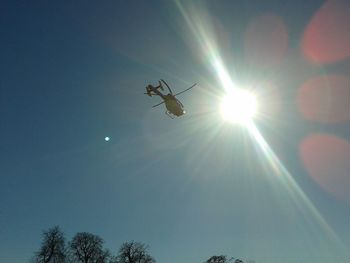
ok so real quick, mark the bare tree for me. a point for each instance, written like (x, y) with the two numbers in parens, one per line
(88, 248)
(217, 259)
(52, 247)
(134, 252)
(222, 259)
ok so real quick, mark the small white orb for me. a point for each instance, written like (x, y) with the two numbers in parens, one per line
(107, 138)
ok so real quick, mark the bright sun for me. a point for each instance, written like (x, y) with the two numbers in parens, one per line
(238, 107)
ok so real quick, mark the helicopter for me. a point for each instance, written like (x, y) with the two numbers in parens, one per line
(173, 105)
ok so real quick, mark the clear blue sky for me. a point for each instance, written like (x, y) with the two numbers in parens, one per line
(73, 72)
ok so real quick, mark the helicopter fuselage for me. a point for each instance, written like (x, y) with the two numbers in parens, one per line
(173, 105)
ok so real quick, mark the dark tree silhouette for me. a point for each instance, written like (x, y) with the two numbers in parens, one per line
(88, 248)
(222, 259)
(217, 259)
(134, 252)
(52, 247)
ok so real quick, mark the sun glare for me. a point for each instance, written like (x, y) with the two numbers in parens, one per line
(238, 107)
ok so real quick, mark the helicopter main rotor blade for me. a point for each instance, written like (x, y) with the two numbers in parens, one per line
(167, 86)
(186, 89)
(158, 104)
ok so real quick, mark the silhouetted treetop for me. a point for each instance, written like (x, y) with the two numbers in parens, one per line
(52, 247)
(134, 252)
(222, 259)
(217, 259)
(88, 248)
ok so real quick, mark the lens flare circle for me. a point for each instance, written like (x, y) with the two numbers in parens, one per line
(238, 106)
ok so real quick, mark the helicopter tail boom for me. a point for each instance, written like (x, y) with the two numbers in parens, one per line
(151, 90)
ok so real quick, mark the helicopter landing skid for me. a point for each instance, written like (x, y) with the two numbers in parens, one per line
(170, 114)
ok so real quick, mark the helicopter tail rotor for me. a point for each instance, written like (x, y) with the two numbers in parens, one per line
(148, 91)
